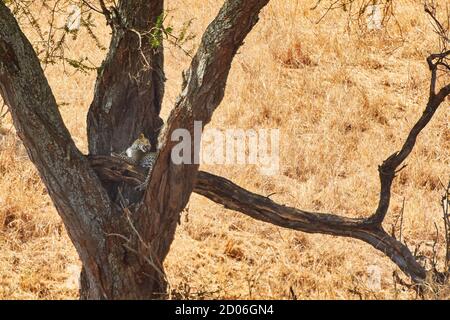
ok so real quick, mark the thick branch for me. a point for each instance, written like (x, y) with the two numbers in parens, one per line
(117, 170)
(231, 196)
(72, 184)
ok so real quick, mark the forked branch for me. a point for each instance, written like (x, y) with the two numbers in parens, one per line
(389, 168)
(231, 196)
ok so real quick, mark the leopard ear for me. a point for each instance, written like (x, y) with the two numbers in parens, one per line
(141, 136)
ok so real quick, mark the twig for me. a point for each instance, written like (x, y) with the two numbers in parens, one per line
(430, 9)
(445, 202)
(400, 217)
(90, 6)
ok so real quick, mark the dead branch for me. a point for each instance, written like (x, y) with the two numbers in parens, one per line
(390, 167)
(233, 197)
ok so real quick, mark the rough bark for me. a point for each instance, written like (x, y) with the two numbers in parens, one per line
(100, 230)
(130, 82)
(73, 186)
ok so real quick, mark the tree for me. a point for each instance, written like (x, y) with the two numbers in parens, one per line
(123, 235)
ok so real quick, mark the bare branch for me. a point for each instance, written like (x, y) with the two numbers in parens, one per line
(430, 9)
(107, 13)
(390, 167)
(92, 7)
(233, 197)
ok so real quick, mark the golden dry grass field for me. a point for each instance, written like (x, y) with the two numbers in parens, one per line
(343, 101)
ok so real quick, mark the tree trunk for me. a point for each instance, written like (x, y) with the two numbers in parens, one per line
(131, 269)
(127, 102)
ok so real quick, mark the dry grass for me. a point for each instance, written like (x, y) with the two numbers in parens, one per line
(343, 103)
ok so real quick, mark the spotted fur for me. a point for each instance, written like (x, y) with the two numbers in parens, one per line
(139, 154)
